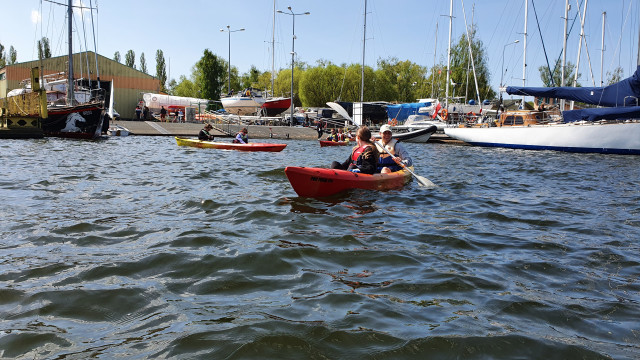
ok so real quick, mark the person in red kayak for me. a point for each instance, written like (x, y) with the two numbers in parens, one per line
(242, 137)
(363, 157)
(400, 156)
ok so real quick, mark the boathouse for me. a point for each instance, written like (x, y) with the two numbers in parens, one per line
(129, 83)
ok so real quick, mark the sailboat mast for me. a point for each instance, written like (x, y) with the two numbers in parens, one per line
(524, 56)
(273, 46)
(575, 77)
(564, 52)
(433, 74)
(604, 15)
(446, 99)
(70, 96)
(364, 40)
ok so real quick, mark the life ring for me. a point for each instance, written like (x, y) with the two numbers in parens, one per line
(394, 122)
(471, 114)
(444, 114)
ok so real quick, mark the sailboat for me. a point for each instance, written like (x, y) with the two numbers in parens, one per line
(73, 119)
(611, 128)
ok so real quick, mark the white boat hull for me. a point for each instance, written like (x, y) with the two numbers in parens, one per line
(240, 105)
(617, 138)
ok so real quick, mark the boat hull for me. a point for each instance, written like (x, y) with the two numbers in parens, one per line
(325, 143)
(416, 136)
(617, 138)
(76, 122)
(273, 107)
(242, 105)
(320, 182)
(230, 146)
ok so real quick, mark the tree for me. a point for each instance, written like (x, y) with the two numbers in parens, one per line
(130, 59)
(282, 84)
(13, 55)
(209, 75)
(161, 70)
(461, 65)
(555, 78)
(116, 56)
(143, 64)
(320, 84)
(614, 76)
(250, 79)
(3, 61)
(44, 51)
(405, 76)
(185, 87)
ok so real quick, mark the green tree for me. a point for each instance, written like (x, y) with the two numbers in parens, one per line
(282, 84)
(3, 61)
(184, 87)
(320, 84)
(116, 56)
(161, 70)
(614, 76)
(44, 51)
(143, 63)
(209, 75)
(130, 59)
(13, 55)
(250, 79)
(461, 66)
(556, 75)
(406, 77)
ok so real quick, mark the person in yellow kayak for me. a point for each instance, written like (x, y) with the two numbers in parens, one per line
(204, 133)
(364, 156)
(388, 163)
(242, 137)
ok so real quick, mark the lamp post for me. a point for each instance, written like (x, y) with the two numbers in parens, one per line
(230, 31)
(293, 52)
(503, 49)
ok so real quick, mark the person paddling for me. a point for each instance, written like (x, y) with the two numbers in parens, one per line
(387, 162)
(242, 137)
(204, 133)
(364, 156)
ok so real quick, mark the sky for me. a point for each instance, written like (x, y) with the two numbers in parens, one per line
(415, 30)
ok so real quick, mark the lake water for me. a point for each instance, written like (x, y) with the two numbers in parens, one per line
(137, 248)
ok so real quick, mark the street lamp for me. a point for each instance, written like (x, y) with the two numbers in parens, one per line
(293, 52)
(230, 31)
(502, 75)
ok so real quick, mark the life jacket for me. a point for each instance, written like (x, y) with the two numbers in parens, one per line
(385, 159)
(357, 151)
(244, 138)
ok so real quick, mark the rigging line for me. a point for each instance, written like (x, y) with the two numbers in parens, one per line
(555, 66)
(86, 56)
(586, 47)
(541, 39)
(95, 45)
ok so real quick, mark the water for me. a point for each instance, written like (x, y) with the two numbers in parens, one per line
(138, 248)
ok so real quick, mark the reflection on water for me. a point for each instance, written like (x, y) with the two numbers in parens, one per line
(135, 247)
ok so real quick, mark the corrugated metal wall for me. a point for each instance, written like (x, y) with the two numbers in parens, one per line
(129, 84)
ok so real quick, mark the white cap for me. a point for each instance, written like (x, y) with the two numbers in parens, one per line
(384, 128)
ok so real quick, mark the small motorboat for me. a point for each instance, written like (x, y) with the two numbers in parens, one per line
(230, 146)
(321, 182)
(117, 130)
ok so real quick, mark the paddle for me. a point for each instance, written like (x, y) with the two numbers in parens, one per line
(423, 181)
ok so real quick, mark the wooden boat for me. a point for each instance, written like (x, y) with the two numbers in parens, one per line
(321, 182)
(230, 146)
(324, 143)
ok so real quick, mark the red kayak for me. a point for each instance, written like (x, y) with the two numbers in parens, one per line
(320, 182)
(324, 143)
(230, 146)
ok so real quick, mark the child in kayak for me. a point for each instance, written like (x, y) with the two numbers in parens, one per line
(242, 137)
(364, 156)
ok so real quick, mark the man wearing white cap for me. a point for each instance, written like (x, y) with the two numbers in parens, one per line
(388, 163)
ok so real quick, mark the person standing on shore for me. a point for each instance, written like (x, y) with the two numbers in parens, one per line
(320, 128)
(138, 112)
(163, 114)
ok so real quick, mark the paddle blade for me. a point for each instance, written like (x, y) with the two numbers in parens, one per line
(340, 110)
(424, 182)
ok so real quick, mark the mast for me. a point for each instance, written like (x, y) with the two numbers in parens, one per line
(564, 51)
(584, 15)
(473, 66)
(70, 96)
(273, 47)
(524, 56)
(446, 99)
(364, 40)
(433, 75)
(95, 46)
(604, 15)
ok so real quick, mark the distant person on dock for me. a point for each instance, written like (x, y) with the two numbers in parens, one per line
(180, 115)
(242, 137)
(364, 156)
(145, 113)
(320, 128)
(388, 163)
(138, 112)
(204, 133)
(163, 114)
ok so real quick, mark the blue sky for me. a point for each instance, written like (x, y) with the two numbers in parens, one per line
(405, 29)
